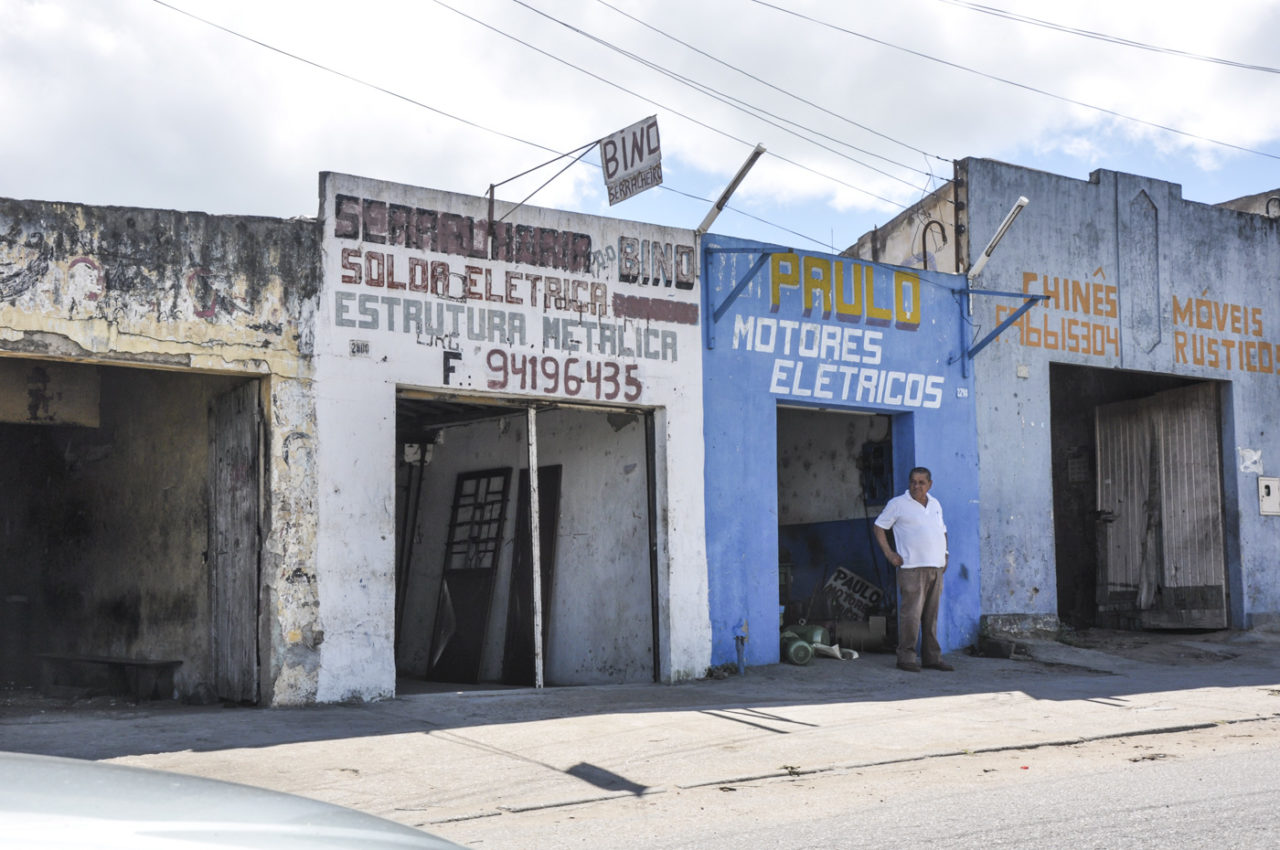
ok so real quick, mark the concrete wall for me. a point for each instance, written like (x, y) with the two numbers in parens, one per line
(819, 478)
(920, 237)
(413, 298)
(819, 331)
(194, 293)
(1262, 203)
(1141, 280)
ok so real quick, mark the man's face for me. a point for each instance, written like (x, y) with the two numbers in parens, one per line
(919, 486)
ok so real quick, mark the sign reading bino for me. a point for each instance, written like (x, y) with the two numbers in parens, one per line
(632, 160)
(835, 350)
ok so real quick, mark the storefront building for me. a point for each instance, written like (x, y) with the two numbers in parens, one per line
(451, 357)
(156, 425)
(826, 380)
(1128, 421)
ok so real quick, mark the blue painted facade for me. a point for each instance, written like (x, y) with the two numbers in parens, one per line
(822, 332)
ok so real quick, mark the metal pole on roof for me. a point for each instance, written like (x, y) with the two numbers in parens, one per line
(729, 190)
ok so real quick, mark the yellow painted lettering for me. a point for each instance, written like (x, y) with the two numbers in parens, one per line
(906, 300)
(784, 270)
(817, 285)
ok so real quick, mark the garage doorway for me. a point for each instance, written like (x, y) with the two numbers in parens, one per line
(465, 588)
(835, 474)
(1138, 511)
(132, 526)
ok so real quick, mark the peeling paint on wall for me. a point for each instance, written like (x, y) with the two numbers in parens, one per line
(1250, 461)
(216, 291)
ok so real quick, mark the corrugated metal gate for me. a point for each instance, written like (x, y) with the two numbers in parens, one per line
(1161, 559)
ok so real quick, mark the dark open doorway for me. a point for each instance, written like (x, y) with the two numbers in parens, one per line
(835, 473)
(465, 588)
(1137, 499)
(132, 547)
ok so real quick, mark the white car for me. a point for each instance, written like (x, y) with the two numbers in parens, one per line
(48, 802)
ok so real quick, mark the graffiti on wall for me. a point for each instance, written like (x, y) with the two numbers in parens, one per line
(1079, 317)
(528, 308)
(834, 349)
(1220, 335)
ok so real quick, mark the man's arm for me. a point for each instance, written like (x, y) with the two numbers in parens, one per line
(890, 555)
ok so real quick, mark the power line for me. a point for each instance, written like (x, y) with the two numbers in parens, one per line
(448, 115)
(731, 101)
(350, 78)
(780, 90)
(1024, 86)
(1112, 39)
(653, 102)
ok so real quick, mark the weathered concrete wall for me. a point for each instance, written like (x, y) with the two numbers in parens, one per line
(190, 292)
(819, 478)
(37, 392)
(1263, 203)
(164, 288)
(922, 236)
(1139, 280)
(826, 332)
(605, 311)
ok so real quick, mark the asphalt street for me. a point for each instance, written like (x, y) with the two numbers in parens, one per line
(432, 759)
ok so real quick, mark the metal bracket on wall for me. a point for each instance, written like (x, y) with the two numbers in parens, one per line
(1031, 301)
(718, 313)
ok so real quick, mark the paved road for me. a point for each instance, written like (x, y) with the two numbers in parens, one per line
(445, 759)
(1211, 787)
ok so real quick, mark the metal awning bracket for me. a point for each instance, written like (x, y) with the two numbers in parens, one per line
(1031, 301)
(718, 313)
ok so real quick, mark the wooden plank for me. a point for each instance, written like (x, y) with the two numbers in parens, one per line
(234, 547)
(1192, 525)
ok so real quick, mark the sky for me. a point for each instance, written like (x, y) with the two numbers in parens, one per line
(236, 106)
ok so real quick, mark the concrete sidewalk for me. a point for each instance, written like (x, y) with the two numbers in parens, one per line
(433, 758)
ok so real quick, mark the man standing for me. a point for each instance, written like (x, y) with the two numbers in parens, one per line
(920, 537)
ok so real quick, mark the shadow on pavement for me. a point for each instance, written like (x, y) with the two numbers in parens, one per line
(1102, 668)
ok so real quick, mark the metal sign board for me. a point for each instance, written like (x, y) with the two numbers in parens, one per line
(632, 160)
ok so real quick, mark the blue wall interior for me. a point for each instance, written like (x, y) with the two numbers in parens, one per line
(818, 330)
(816, 550)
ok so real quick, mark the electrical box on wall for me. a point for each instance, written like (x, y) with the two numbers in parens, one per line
(1269, 496)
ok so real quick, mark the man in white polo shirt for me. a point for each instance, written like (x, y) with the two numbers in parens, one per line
(920, 538)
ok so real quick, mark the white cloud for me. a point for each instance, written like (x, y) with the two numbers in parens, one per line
(128, 102)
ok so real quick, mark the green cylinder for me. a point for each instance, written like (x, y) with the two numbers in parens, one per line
(810, 632)
(795, 650)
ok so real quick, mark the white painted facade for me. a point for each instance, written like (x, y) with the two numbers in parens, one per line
(412, 300)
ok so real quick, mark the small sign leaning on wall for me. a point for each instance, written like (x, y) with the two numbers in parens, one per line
(632, 160)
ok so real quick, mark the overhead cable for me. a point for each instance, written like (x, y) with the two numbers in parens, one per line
(780, 90)
(1009, 82)
(735, 102)
(653, 102)
(1112, 39)
(449, 115)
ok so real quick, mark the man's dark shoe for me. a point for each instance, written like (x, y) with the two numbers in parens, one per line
(909, 666)
(940, 665)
